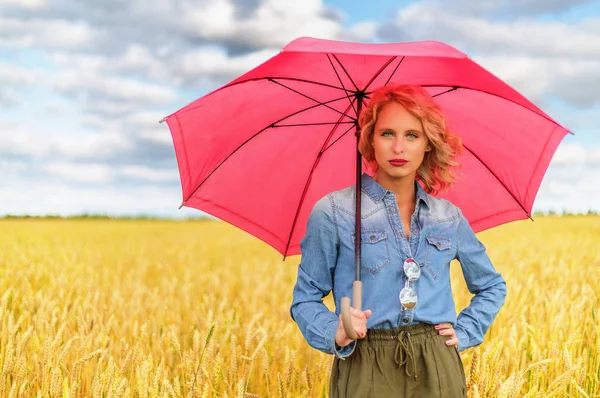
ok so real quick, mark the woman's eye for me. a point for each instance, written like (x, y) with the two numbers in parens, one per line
(413, 136)
(386, 133)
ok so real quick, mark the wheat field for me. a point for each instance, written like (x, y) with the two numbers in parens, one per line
(111, 308)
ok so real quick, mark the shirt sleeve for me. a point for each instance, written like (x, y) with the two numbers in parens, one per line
(483, 281)
(319, 249)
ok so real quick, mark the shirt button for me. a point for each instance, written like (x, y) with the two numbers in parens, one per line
(405, 319)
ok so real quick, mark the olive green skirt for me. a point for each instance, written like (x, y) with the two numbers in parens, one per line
(411, 361)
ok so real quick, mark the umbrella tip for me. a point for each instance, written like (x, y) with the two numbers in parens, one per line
(284, 257)
(181, 205)
(163, 119)
(530, 217)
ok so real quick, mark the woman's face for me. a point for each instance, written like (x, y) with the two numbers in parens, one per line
(399, 142)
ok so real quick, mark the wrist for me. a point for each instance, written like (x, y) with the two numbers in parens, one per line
(340, 339)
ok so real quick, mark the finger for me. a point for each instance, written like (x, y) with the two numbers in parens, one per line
(453, 341)
(360, 326)
(444, 325)
(357, 313)
(448, 332)
(361, 331)
(368, 313)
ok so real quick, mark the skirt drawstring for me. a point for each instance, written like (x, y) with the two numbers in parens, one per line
(404, 352)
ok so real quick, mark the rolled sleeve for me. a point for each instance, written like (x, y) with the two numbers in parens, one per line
(483, 281)
(340, 352)
(463, 339)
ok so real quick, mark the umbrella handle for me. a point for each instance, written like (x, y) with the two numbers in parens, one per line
(346, 316)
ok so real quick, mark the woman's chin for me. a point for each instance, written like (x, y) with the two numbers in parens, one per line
(396, 173)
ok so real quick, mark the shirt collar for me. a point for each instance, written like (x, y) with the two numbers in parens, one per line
(377, 192)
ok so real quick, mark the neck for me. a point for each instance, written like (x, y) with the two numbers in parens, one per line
(403, 188)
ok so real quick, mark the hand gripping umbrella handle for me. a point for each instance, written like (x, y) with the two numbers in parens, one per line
(346, 316)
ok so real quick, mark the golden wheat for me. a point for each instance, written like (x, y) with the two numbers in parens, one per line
(201, 309)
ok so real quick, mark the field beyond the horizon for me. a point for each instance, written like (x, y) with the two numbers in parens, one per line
(147, 308)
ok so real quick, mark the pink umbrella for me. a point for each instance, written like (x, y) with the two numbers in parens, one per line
(260, 151)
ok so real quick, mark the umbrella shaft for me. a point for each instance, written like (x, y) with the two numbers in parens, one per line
(357, 212)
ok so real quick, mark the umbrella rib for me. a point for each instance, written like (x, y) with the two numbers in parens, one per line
(342, 84)
(497, 178)
(444, 92)
(310, 124)
(318, 158)
(346, 72)
(493, 95)
(288, 78)
(184, 109)
(252, 137)
(394, 72)
(476, 157)
(312, 99)
(376, 75)
(339, 138)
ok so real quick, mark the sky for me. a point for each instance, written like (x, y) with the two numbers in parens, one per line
(83, 84)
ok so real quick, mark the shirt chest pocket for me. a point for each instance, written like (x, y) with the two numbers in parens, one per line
(437, 255)
(375, 254)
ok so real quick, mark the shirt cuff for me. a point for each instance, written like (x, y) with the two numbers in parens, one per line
(340, 352)
(463, 339)
(344, 352)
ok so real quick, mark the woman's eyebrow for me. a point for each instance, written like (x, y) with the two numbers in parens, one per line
(406, 131)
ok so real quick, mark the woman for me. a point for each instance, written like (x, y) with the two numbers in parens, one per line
(409, 334)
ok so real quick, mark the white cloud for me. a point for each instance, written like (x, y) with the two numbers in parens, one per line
(90, 87)
(528, 37)
(16, 75)
(36, 33)
(11, 169)
(575, 81)
(571, 187)
(12, 79)
(149, 174)
(363, 31)
(35, 4)
(136, 60)
(18, 140)
(99, 173)
(273, 24)
(539, 58)
(577, 154)
(19, 197)
(509, 7)
(214, 62)
(516, 37)
(83, 172)
(8, 96)
(147, 125)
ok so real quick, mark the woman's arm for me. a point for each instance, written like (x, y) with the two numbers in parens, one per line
(319, 249)
(483, 281)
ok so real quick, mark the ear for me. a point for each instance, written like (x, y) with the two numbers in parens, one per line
(428, 148)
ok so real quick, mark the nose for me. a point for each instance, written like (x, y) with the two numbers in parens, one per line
(398, 145)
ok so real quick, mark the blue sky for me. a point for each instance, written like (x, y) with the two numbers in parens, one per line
(82, 88)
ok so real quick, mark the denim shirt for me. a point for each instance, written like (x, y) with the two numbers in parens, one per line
(439, 233)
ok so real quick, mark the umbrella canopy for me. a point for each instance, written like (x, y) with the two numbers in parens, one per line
(260, 151)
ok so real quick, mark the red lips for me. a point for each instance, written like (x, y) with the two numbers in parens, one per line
(398, 162)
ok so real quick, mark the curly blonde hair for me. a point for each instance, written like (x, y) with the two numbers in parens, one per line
(437, 171)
